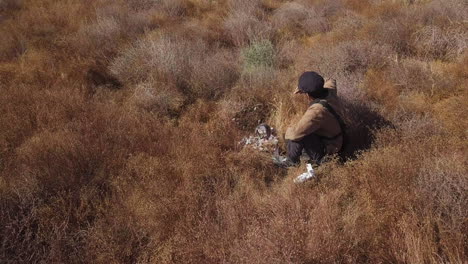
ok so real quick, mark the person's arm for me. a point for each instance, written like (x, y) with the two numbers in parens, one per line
(308, 124)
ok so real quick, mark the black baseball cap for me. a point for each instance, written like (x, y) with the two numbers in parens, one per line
(311, 83)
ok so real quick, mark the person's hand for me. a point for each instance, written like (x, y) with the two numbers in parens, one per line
(330, 84)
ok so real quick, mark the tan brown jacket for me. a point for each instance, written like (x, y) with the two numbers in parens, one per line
(317, 119)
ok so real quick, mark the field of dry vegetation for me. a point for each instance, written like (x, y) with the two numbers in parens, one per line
(120, 122)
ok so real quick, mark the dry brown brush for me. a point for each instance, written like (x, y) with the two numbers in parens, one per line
(120, 122)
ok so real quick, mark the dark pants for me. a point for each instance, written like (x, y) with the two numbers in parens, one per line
(313, 146)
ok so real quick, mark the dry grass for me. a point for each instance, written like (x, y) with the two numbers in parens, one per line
(119, 123)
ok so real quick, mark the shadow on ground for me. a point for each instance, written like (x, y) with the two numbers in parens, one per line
(361, 123)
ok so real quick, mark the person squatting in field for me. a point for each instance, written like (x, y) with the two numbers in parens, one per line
(320, 131)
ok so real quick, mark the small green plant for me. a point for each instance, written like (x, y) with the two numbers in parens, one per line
(259, 54)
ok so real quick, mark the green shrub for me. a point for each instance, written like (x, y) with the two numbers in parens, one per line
(259, 54)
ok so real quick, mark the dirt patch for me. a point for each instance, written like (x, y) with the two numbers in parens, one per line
(251, 116)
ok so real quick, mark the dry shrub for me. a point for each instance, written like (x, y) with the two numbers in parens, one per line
(18, 122)
(450, 111)
(400, 28)
(379, 87)
(349, 57)
(437, 43)
(246, 6)
(404, 81)
(380, 180)
(348, 25)
(290, 15)
(328, 8)
(183, 66)
(214, 74)
(103, 35)
(79, 142)
(172, 8)
(101, 177)
(13, 44)
(437, 219)
(395, 33)
(214, 205)
(286, 53)
(296, 19)
(442, 12)
(162, 57)
(243, 28)
(413, 75)
(360, 6)
(100, 35)
(255, 85)
(63, 171)
(9, 5)
(141, 186)
(19, 231)
(65, 149)
(30, 109)
(160, 98)
(245, 24)
(38, 61)
(160, 61)
(46, 24)
(444, 179)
